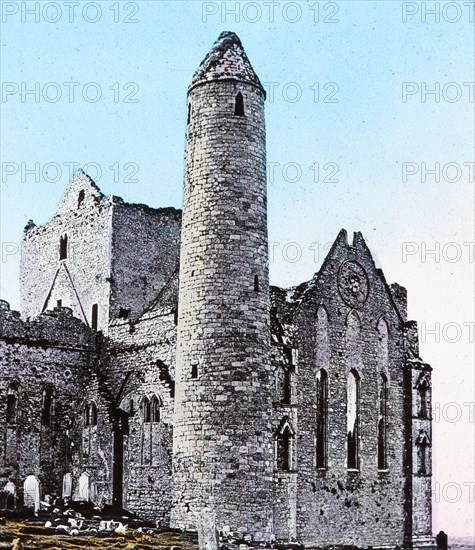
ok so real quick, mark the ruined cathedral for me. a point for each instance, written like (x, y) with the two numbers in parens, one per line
(153, 368)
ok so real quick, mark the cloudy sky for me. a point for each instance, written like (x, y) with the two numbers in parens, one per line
(370, 127)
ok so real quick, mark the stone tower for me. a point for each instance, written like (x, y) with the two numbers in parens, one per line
(223, 447)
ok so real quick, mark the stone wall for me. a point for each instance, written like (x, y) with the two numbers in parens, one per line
(48, 371)
(144, 256)
(141, 366)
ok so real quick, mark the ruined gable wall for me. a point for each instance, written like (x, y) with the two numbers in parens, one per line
(82, 278)
(337, 506)
(145, 250)
(55, 351)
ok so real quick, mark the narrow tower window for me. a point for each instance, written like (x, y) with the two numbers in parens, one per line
(239, 105)
(256, 283)
(194, 371)
(382, 423)
(46, 412)
(283, 449)
(188, 120)
(63, 247)
(322, 407)
(352, 411)
(59, 303)
(87, 415)
(287, 387)
(94, 314)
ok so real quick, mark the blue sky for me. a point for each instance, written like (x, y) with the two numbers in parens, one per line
(361, 134)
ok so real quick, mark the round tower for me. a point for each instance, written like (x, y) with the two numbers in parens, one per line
(223, 446)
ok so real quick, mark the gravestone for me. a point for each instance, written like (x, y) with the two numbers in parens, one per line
(442, 541)
(31, 493)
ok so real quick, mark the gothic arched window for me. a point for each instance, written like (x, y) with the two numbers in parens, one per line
(352, 414)
(147, 409)
(90, 414)
(423, 445)
(382, 423)
(239, 105)
(154, 409)
(284, 447)
(93, 414)
(322, 408)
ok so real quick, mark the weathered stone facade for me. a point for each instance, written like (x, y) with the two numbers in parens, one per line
(154, 368)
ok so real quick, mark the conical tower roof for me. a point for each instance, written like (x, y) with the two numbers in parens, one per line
(226, 60)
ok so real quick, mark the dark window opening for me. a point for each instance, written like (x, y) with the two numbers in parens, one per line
(80, 197)
(175, 316)
(59, 303)
(93, 414)
(124, 313)
(352, 451)
(147, 412)
(87, 416)
(155, 409)
(194, 371)
(11, 408)
(352, 411)
(283, 449)
(46, 412)
(131, 407)
(256, 283)
(381, 446)
(94, 316)
(239, 105)
(322, 408)
(423, 399)
(188, 120)
(423, 451)
(63, 247)
(382, 423)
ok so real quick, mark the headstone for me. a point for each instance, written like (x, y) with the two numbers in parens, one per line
(442, 541)
(67, 485)
(84, 487)
(31, 493)
(10, 487)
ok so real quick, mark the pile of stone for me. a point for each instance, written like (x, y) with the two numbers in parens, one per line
(84, 520)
